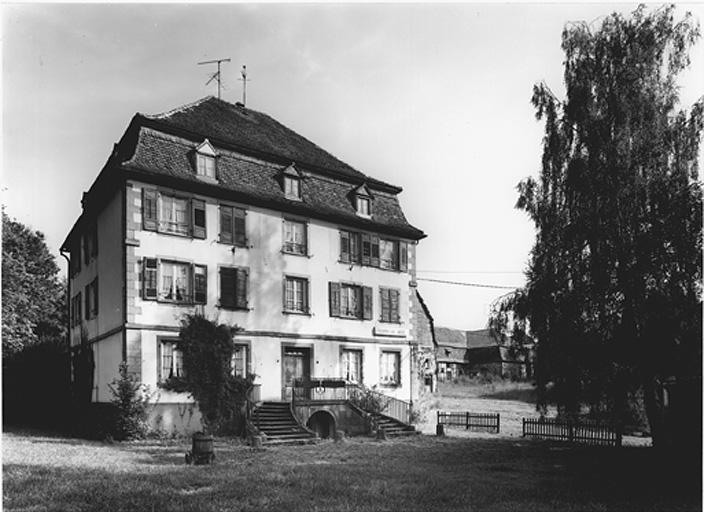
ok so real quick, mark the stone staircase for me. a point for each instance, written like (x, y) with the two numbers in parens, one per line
(276, 421)
(393, 427)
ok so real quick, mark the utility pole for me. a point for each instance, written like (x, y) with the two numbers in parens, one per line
(244, 81)
(216, 75)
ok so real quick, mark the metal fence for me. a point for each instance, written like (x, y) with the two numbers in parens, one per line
(471, 421)
(583, 431)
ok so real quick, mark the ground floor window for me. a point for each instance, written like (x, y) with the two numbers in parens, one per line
(390, 373)
(171, 360)
(352, 365)
(239, 361)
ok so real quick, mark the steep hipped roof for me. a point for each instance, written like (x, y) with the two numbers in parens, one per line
(222, 121)
(252, 150)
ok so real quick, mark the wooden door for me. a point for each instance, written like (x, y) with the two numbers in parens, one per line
(296, 366)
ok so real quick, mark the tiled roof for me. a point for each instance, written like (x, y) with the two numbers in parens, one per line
(219, 120)
(158, 154)
(481, 338)
(446, 354)
(446, 336)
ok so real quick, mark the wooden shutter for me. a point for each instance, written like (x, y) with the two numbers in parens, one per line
(79, 316)
(149, 209)
(95, 297)
(149, 278)
(228, 277)
(367, 293)
(241, 288)
(200, 284)
(304, 288)
(87, 300)
(334, 299)
(385, 305)
(394, 306)
(403, 256)
(240, 235)
(344, 246)
(355, 249)
(374, 239)
(226, 224)
(366, 249)
(198, 218)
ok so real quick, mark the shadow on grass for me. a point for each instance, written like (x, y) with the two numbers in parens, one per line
(423, 473)
(527, 395)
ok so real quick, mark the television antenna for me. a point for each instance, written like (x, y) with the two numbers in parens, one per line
(244, 81)
(216, 75)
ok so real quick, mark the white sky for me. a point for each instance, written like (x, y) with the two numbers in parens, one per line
(433, 98)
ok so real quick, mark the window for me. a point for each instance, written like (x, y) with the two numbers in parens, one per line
(369, 249)
(91, 294)
(233, 287)
(76, 309)
(390, 305)
(90, 244)
(174, 281)
(205, 165)
(352, 365)
(205, 160)
(295, 237)
(171, 360)
(232, 226)
(295, 294)
(364, 206)
(240, 361)
(390, 372)
(292, 187)
(171, 214)
(350, 301)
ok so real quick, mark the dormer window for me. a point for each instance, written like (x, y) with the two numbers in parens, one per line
(292, 187)
(205, 161)
(291, 182)
(362, 201)
(363, 206)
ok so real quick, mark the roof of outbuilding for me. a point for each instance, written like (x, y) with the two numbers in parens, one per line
(446, 336)
(481, 338)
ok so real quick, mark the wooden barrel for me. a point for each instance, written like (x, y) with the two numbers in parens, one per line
(203, 452)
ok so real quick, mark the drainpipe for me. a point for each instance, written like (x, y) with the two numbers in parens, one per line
(68, 301)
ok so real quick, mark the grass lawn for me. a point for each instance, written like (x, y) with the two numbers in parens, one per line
(421, 473)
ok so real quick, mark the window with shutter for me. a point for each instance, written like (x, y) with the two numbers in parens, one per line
(334, 298)
(374, 250)
(355, 248)
(233, 287)
(200, 284)
(198, 218)
(149, 209)
(367, 294)
(226, 225)
(149, 278)
(344, 246)
(241, 288)
(366, 249)
(394, 296)
(240, 234)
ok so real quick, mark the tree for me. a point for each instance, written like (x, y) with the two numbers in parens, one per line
(33, 297)
(614, 283)
(207, 350)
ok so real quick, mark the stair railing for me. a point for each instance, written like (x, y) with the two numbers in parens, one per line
(366, 399)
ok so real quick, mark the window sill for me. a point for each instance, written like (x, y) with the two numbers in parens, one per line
(233, 308)
(290, 253)
(389, 322)
(239, 246)
(299, 313)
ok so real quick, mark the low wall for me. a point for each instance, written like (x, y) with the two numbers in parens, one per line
(175, 418)
(346, 418)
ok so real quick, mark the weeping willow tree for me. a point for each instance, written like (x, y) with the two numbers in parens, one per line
(614, 282)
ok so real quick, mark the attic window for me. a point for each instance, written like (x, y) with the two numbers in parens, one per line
(362, 200)
(205, 161)
(291, 182)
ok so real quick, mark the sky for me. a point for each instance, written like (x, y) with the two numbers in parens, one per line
(433, 98)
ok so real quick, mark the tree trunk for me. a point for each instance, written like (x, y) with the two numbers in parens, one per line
(655, 410)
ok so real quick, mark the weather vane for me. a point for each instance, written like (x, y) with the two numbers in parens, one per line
(216, 75)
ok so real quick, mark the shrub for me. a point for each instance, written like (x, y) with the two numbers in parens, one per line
(130, 400)
(369, 400)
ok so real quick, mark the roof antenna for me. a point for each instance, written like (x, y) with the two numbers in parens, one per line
(244, 81)
(216, 75)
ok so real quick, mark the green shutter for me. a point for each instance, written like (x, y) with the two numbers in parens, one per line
(198, 218)
(367, 294)
(334, 299)
(228, 277)
(240, 227)
(375, 250)
(403, 256)
(241, 288)
(344, 246)
(149, 209)
(149, 278)
(366, 249)
(226, 224)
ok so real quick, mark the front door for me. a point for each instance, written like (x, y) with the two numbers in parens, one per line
(296, 366)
